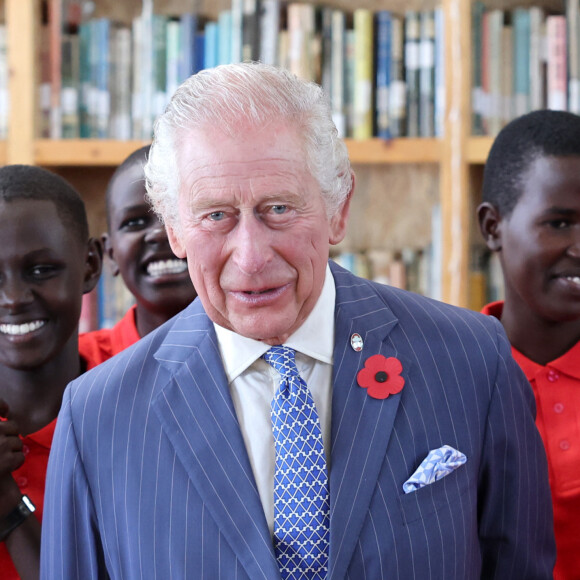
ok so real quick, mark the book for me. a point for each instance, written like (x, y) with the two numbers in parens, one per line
(301, 33)
(538, 62)
(495, 70)
(159, 69)
(557, 69)
(224, 52)
(427, 73)
(412, 70)
(101, 100)
(55, 35)
(269, 31)
(349, 76)
(211, 44)
(187, 58)
(237, 8)
(521, 61)
(337, 65)
(507, 75)
(398, 87)
(251, 30)
(363, 74)
(440, 82)
(70, 64)
(573, 45)
(120, 77)
(326, 49)
(477, 11)
(4, 95)
(173, 46)
(383, 73)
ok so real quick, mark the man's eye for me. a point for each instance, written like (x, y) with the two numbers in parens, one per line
(217, 216)
(134, 223)
(43, 271)
(559, 224)
(279, 209)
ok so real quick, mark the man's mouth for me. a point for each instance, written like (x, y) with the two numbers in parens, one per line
(21, 329)
(166, 267)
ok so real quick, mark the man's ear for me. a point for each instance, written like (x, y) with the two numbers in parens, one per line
(93, 264)
(175, 242)
(109, 252)
(339, 220)
(490, 225)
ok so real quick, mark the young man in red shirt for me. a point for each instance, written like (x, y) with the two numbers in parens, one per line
(47, 263)
(530, 215)
(137, 246)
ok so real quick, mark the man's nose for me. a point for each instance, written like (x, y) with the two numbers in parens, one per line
(251, 245)
(14, 292)
(156, 234)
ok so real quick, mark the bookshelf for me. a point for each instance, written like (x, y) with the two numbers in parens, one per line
(399, 166)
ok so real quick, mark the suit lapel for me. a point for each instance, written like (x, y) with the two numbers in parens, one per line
(198, 417)
(361, 425)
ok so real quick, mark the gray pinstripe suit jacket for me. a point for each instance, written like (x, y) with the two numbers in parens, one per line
(149, 476)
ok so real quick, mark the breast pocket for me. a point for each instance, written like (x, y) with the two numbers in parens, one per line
(446, 492)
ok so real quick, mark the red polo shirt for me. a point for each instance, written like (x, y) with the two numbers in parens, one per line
(557, 390)
(100, 345)
(31, 476)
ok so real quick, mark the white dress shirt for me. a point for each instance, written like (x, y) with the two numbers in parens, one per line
(253, 383)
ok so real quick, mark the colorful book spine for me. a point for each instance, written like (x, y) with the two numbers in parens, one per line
(337, 65)
(557, 71)
(521, 59)
(398, 87)
(427, 73)
(383, 73)
(440, 83)
(269, 31)
(363, 74)
(477, 11)
(412, 70)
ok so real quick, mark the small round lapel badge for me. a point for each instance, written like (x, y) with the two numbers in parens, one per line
(356, 342)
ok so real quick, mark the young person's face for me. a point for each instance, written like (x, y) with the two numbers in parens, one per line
(138, 246)
(540, 241)
(44, 271)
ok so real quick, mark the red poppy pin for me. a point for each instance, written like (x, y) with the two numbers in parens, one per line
(381, 376)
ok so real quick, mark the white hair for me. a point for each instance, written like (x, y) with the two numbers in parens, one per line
(228, 97)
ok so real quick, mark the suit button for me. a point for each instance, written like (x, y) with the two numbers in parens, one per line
(21, 482)
(559, 408)
(553, 376)
(25, 450)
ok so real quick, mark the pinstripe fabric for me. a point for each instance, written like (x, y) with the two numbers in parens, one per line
(149, 477)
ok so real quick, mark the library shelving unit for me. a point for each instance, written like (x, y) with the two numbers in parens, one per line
(447, 160)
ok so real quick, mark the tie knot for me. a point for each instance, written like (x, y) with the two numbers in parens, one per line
(282, 359)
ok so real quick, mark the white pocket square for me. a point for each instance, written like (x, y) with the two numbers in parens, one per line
(438, 463)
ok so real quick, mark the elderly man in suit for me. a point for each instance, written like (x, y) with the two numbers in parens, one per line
(294, 421)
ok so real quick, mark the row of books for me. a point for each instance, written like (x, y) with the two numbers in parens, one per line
(523, 59)
(485, 278)
(383, 72)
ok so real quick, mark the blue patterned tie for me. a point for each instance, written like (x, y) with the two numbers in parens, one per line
(301, 504)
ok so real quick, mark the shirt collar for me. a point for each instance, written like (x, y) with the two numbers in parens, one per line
(315, 337)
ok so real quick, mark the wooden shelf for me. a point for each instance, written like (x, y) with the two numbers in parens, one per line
(406, 150)
(83, 152)
(93, 152)
(478, 149)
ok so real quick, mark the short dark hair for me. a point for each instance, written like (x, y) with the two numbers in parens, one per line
(138, 156)
(543, 133)
(35, 183)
